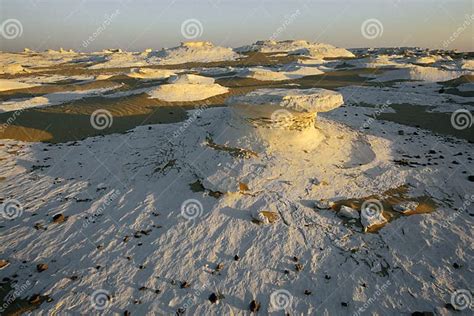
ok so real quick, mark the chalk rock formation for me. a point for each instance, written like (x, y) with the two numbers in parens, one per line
(187, 88)
(300, 47)
(189, 52)
(282, 118)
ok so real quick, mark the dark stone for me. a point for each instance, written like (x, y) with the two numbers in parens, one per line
(254, 306)
(213, 298)
(59, 218)
(42, 267)
(298, 267)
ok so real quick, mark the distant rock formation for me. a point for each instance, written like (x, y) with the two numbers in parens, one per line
(298, 47)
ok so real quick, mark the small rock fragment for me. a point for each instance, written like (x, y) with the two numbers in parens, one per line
(298, 267)
(324, 204)
(307, 292)
(254, 306)
(266, 217)
(4, 264)
(236, 258)
(348, 212)
(370, 219)
(35, 299)
(41, 267)
(59, 218)
(406, 207)
(219, 267)
(214, 298)
(185, 285)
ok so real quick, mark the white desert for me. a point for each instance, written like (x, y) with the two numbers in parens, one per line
(281, 177)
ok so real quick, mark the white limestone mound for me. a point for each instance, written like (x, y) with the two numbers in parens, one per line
(187, 88)
(119, 59)
(293, 72)
(301, 100)
(430, 59)
(379, 61)
(320, 51)
(189, 52)
(419, 73)
(281, 119)
(348, 212)
(12, 69)
(9, 84)
(406, 206)
(52, 99)
(467, 64)
(300, 47)
(191, 79)
(149, 73)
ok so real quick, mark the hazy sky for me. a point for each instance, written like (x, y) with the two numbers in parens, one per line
(89, 25)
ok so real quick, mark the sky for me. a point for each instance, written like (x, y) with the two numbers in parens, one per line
(134, 25)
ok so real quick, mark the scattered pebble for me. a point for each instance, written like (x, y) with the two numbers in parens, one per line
(298, 267)
(185, 285)
(254, 306)
(348, 212)
(307, 292)
(59, 218)
(4, 264)
(213, 298)
(406, 207)
(324, 204)
(41, 267)
(236, 258)
(219, 267)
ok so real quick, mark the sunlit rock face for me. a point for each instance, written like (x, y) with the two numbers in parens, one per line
(282, 119)
(187, 88)
(299, 47)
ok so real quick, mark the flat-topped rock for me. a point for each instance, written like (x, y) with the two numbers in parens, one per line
(197, 44)
(187, 88)
(313, 49)
(190, 79)
(299, 100)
